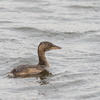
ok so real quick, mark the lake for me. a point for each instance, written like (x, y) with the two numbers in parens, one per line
(73, 25)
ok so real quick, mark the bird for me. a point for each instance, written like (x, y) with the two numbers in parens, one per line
(27, 70)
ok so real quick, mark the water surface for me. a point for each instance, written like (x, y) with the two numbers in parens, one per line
(73, 25)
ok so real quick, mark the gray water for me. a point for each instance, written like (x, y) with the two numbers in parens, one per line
(73, 25)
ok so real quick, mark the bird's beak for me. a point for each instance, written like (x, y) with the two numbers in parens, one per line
(56, 47)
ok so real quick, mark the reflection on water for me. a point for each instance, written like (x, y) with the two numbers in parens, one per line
(71, 24)
(41, 75)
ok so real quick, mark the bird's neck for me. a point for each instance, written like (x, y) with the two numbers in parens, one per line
(42, 58)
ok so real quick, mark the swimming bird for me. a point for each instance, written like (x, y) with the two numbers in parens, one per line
(25, 70)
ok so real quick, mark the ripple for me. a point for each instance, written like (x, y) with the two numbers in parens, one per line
(71, 24)
(33, 9)
(2, 8)
(8, 40)
(6, 22)
(89, 96)
(26, 29)
(82, 7)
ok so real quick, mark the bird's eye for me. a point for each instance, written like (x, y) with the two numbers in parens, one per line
(49, 45)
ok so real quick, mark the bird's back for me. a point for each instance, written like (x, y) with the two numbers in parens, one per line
(24, 70)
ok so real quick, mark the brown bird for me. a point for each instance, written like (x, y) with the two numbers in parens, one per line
(26, 70)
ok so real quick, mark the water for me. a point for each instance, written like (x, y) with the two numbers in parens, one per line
(73, 25)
